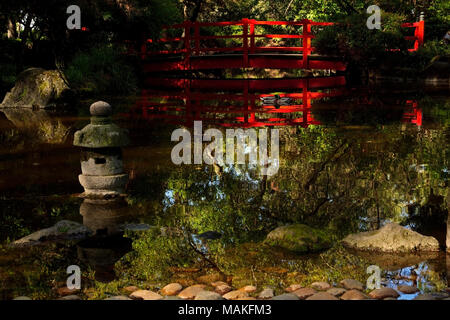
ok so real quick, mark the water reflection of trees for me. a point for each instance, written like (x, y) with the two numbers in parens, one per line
(343, 180)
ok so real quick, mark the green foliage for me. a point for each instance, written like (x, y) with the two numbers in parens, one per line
(154, 255)
(101, 70)
(427, 54)
(351, 39)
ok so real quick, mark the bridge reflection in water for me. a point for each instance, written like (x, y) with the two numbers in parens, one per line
(240, 102)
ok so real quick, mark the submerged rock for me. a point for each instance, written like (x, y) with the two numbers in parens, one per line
(299, 238)
(391, 238)
(36, 87)
(63, 230)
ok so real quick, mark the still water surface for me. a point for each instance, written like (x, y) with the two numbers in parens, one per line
(349, 162)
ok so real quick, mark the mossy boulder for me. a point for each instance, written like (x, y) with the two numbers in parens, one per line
(391, 238)
(37, 88)
(300, 238)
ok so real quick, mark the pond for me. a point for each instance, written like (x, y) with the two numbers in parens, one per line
(349, 161)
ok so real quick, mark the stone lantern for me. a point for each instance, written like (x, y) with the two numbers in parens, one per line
(101, 156)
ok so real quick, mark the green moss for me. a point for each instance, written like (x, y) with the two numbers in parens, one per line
(300, 238)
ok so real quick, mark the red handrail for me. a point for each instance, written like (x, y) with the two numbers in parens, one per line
(419, 33)
(248, 37)
(189, 44)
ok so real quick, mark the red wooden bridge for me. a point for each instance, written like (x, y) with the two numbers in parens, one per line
(185, 46)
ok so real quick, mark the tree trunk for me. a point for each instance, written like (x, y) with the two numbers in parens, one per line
(12, 31)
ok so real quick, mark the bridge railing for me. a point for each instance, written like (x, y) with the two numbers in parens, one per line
(419, 33)
(190, 42)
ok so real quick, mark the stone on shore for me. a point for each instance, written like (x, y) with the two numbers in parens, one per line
(22, 298)
(336, 291)
(248, 289)
(286, 296)
(354, 295)
(146, 295)
(65, 291)
(304, 293)
(130, 289)
(191, 292)
(384, 293)
(322, 296)
(299, 238)
(407, 289)
(218, 283)
(293, 287)
(172, 298)
(118, 298)
(350, 284)
(70, 297)
(208, 295)
(321, 286)
(222, 289)
(235, 294)
(171, 289)
(391, 238)
(266, 294)
(425, 296)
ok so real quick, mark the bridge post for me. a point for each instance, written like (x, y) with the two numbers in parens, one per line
(252, 36)
(187, 44)
(419, 33)
(306, 42)
(245, 41)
